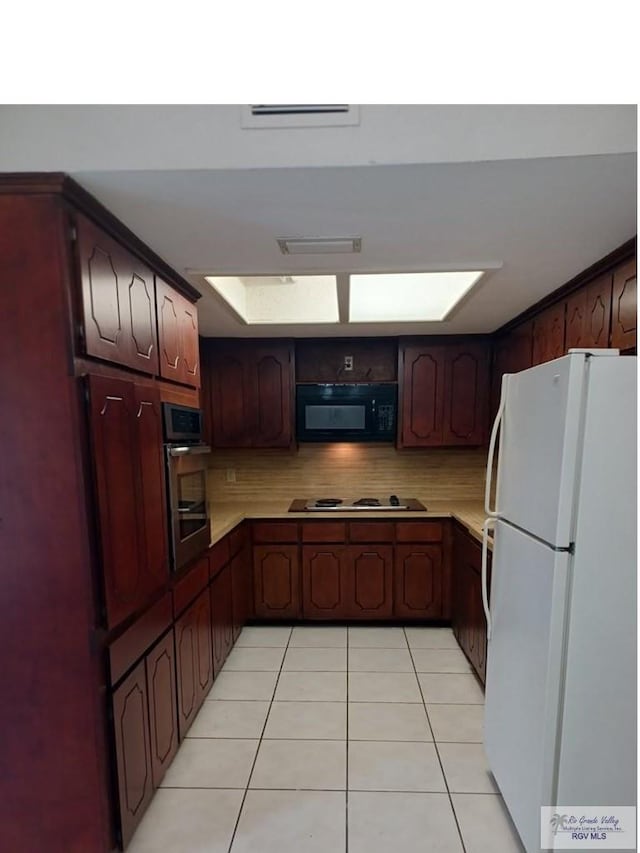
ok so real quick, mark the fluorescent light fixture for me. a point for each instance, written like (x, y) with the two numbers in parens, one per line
(407, 297)
(320, 245)
(280, 299)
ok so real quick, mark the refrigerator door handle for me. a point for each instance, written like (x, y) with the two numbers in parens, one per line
(489, 522)
(493, 513)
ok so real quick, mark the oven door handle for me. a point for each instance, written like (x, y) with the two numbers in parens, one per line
(187, 449)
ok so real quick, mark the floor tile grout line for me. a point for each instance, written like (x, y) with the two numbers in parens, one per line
(444, 776)
(255, 758)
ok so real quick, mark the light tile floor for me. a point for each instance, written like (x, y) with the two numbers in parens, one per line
(331, 739)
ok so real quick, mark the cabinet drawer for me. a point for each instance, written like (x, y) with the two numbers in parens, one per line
(371, 531)
(218, 556)
(319, 531)
(419, 531)
(139, 637)
(192, 583)
(270, 531)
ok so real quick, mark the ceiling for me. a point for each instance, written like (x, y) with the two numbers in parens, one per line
(533, 205)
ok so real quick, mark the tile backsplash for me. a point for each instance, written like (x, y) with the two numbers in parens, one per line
(337, 470)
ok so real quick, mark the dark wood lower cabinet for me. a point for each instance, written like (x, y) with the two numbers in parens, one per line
(221, 617)
(241, 588)
(468, 619)
(133, 755)
(370, 581)
(276, 584)
(418, 582)
(324, 582)
(194, 663)
(163, 712)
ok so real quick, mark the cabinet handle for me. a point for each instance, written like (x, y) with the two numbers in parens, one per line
(143, 403)
(493, 513)
(106, 403)
(489, 522)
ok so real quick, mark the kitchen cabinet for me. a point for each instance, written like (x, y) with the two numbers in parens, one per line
(240, 571)
(129, 478)
(548, 334)
(370, 581)
(163, 716)
(250, 394)
(133, 756)
(512, 352)
(117, 303)
(178, 343)
(276, 584)
(468, 622)
(325, 580)
(443, 394)
(222, 616)
(589, 314)
(624, 315)
(372, 359)
(194, 662)
(418, 581)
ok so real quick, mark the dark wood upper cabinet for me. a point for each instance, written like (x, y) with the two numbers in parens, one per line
(422, 396)
(548, 334)
(118, 301)
(163, 718)
(589, 314)
(512, 353)
(466, 389)
(133, 756)
(178, 343)
(276, 585)
(444, 394)
(374, 360)
(129, 479)
(370, 581)
(624, 316)
(250, 394)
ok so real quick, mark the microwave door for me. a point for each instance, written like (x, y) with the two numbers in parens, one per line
(336, 417)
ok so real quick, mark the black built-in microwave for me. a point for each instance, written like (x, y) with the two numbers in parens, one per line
(346, 412)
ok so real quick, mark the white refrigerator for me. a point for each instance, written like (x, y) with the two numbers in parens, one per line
(560, 714)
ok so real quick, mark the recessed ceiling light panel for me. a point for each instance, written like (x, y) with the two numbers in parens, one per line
(408, 297)
(280, 299)
(319, 245)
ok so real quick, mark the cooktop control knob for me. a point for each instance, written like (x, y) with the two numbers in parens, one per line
(394, 500)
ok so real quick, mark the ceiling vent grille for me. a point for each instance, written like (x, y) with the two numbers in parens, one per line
(260, 116)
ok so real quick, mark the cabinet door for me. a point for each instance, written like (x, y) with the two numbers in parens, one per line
(548, 334)
(418, 581)
(422, 396)
(151, 484)
(186, 669)
(624, 306)
(466, 383)
(231, 397)
(189, 343)
(273, 391)
(589, 315)
(512, 353)
(203, 645)
(169, 305)
(133, 757)
(370, 581)
(112, 417)
(240, 587)
(119, 318)
(324, 581)
(221, 617)
(276, 583)
(163, 716)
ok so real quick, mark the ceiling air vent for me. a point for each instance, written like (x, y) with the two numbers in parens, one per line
(256, 116)
(319, 245)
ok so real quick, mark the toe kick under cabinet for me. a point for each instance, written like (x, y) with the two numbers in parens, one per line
(361, 570)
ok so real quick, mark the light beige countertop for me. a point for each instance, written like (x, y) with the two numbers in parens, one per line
(226, 515)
